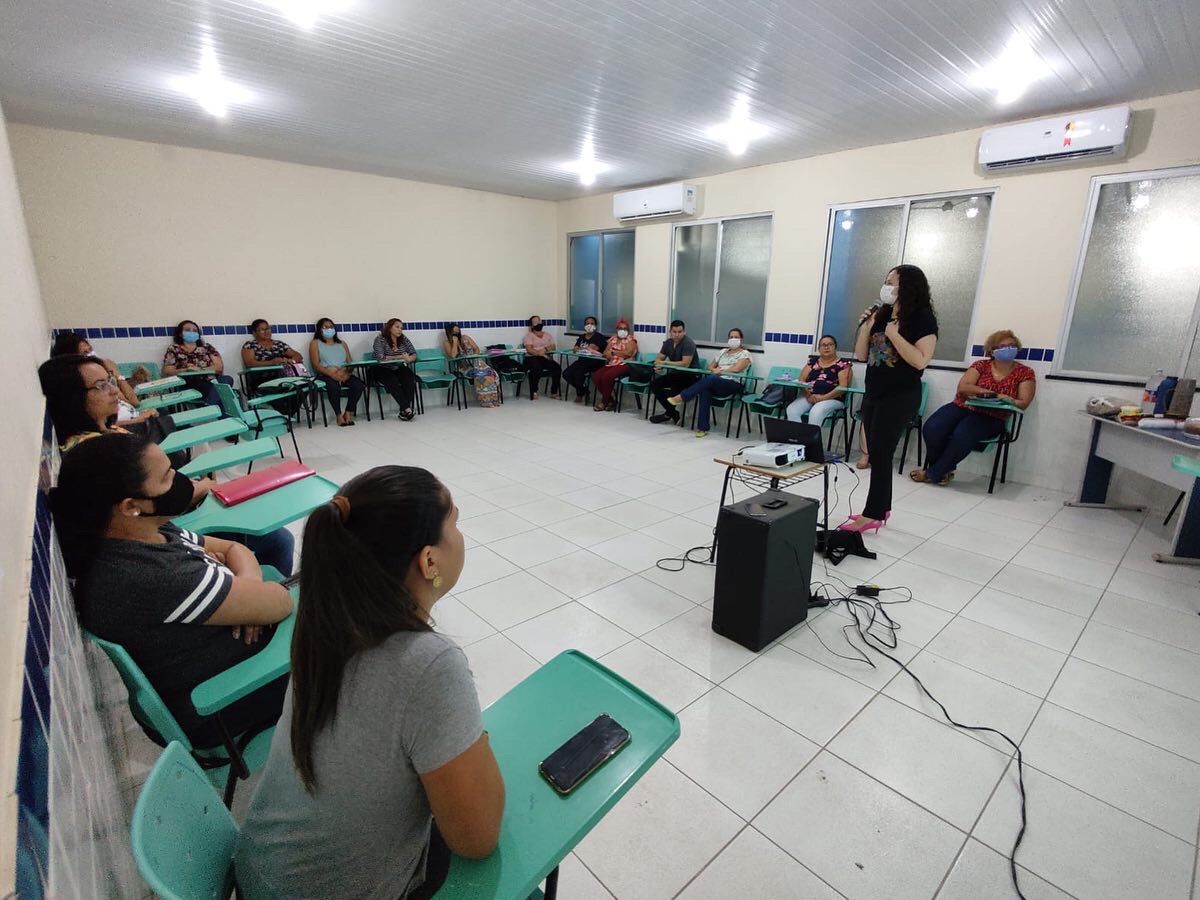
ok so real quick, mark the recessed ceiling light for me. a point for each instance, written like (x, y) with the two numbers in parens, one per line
(304, 13)
(740, 130)
(587, 167)
(1013, 71)
(1139, 201)
(209, 87)
(972, 212)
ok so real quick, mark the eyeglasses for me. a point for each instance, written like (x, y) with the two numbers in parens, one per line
(105, 384)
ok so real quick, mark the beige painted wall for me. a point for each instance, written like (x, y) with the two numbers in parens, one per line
(1037, 218)
(133, 233)
(27, 340)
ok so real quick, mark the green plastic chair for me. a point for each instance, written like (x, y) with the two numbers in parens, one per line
(639, 389)
(517, 377)
(753, 405)
(127, 368)
(1001, 443)
(916, 422)
(183, 841)
(269, 423)
(732, 400)
(245, 753)
(432, 371)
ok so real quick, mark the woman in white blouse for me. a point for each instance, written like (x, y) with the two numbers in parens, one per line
(723, 382)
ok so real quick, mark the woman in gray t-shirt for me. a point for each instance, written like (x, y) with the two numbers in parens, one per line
(381, 734)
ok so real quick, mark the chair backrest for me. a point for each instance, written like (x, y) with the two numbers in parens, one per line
(924, 397)
(147, 706)
(126, 369)
(648, 357)
(430, 358)
(230, 405)
(182, 836)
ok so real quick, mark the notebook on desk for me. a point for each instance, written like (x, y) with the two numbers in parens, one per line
(239, 490)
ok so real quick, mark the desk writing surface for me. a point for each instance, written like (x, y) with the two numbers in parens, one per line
(201, 434)
(263, 513)
(271, 662)
(158, 385)
(161, 401)
(526, 725)
(1176, 437)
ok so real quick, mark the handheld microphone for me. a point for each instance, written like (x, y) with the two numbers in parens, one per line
(874, 308)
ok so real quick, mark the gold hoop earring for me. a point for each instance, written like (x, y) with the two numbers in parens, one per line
(437, 582)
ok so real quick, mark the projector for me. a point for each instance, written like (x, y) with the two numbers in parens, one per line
(774, 456)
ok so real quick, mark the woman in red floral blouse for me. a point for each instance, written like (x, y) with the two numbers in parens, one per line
(956, 429)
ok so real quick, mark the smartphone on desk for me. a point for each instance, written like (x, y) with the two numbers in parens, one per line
(568, 766)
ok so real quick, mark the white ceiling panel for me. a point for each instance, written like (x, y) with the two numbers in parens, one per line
(499, 96)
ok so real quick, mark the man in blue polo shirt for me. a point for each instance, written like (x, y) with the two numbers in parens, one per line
(678, 352)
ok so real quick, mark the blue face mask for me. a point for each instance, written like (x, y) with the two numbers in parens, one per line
(1005, 354)
(190, 337)
(328, 333)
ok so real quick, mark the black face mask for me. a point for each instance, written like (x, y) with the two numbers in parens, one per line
(176, 500)
(537, 327)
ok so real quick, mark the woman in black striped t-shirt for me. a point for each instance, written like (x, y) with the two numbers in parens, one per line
(157, 590)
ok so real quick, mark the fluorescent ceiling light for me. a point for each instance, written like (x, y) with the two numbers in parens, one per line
(739, 131)
(304, 13)
(209, 87)
(587, 167)
(1013, 71)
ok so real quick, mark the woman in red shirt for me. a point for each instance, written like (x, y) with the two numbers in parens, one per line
(956, 429)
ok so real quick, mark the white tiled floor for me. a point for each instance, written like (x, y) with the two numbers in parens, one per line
(799, 774)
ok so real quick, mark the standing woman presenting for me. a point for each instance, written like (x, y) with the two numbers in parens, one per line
(896, 340)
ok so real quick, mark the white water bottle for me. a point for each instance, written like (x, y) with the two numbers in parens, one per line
(1150, 395)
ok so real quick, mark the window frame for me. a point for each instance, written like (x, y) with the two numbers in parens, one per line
(1085, 239)
(598, 232)
(831, 211)
(719, 222)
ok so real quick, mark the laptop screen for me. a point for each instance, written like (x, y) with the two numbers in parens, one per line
(781, 431)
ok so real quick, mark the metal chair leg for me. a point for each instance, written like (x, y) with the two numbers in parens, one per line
(1174, 508)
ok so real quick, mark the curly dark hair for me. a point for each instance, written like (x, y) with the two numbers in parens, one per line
(912, 296)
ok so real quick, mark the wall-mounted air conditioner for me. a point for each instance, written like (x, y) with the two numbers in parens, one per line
(676, 199)
(1097, 133)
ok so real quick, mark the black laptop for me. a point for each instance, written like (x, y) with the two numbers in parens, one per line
(781, 431)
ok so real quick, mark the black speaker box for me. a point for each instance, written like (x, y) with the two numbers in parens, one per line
(764, 567)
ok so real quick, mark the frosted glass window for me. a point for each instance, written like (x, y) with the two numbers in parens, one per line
(721, 278)
(601, 278)
(945, 236)
(864, 245)
(617, 281)
(1137, 288)
(742, 288)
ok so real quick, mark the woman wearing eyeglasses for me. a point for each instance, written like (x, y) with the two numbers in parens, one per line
(82, 400)
(956, 429)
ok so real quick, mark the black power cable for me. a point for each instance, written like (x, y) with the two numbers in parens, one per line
(874, 613)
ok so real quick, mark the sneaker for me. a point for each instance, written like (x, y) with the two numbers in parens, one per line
(701, 434)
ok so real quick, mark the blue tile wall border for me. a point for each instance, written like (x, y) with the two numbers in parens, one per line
(166, 331)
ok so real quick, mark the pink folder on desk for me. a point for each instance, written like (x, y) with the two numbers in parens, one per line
(239, 490)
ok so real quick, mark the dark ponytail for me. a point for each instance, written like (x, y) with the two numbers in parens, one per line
(95, 476)
(356, 553)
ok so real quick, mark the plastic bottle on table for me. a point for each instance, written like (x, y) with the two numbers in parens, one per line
(1150, 395)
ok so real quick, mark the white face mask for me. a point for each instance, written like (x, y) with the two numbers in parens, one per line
(589, 328)
(887, 295)
(622, 333)
(734, 343)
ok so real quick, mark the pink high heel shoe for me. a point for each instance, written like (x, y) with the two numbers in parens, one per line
(859, 528)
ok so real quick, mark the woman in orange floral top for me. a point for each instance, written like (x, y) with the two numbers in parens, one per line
(621, 348)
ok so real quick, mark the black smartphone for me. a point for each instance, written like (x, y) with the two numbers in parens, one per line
(568, 766)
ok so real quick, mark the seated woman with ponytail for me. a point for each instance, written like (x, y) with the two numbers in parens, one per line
(379, 766)
(184, 607)
(82, 399)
